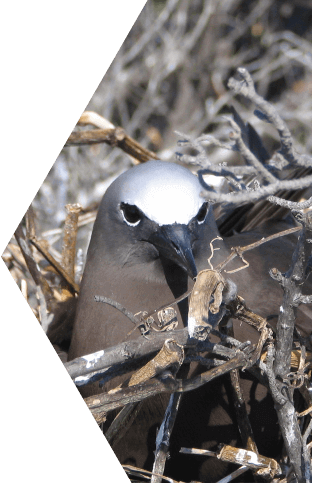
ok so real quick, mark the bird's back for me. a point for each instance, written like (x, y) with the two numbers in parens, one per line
(206, 416)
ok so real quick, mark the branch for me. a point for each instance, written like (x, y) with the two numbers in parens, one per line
(249, 157)
(119, 397)
(163, 437)
(292, 205)
(263, 192)
(246, 88)
(281, 390)
(114, 136)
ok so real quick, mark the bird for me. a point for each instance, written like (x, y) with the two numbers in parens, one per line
(151, 238)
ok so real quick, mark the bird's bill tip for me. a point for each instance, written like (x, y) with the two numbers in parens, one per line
(174, 242)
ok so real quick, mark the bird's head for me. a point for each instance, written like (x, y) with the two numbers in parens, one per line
(155, 210)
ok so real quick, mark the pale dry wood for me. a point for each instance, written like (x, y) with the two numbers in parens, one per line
(171, 356)
(103, 403)
(70, 237)
(40, 246)
(113, 137)
(267, 467)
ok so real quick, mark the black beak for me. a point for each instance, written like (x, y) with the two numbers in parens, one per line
(174, 242)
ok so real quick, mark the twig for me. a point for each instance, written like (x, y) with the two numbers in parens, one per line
(73, 286)
(113, 137)
(126, 351)
(292, 205)
(32, 266)
(256, 195)
(139, 472)
(163, 437)
(103, 403)
(245, 87)
(290, 283)
(283, 394)
(249, 157)
(238, 251)
(241, 413)
(118, 306)
(122, 422)
(266, 467)
(70, 236)
(170, 357)
(136, 349)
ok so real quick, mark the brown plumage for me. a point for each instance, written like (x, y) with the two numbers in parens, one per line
(141, 262)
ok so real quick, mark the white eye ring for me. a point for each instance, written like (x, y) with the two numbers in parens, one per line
(132, 212)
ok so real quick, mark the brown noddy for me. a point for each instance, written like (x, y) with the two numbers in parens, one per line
(151, 237)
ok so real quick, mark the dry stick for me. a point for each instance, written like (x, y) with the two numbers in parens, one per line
(118, 306)
(241, 411)
(32, 266)
(240, 405)
(125, 353)
(244, 425)
(256, 195)
(286, 413)
(95, 119)
(264, 210)
(70, 237)
(292, 205)
(237, 251)
(246, 88)
(163, 437)
(131, 470)
(122, 422)
(286, 321)
(113, 137)
(30, 222)
(69, 248)
(249, 157)
(267, 467)
(103, 403)
(165, 430)
(44, 252)
(170, 356)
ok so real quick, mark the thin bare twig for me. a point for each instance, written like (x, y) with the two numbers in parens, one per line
(113, 137)
(245, 87)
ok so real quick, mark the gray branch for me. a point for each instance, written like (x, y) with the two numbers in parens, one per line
(292, 205)
(250, 196)
(245, 87)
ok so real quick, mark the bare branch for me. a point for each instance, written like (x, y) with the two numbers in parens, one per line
(249, 157)
(113, 137)
(246, 88)
(256, 195)
(103, 403)
(292, 205)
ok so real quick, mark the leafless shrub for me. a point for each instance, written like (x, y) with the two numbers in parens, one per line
(170, 75)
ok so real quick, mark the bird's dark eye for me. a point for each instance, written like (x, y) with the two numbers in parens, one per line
(201, 215)
(131, 214)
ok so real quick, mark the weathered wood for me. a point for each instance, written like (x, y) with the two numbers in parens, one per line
(113, 137)
(209, 285)
(267, 467)
(119, 397)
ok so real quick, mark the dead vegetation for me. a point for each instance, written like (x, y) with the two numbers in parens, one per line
(282, 361)
(174, 81)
